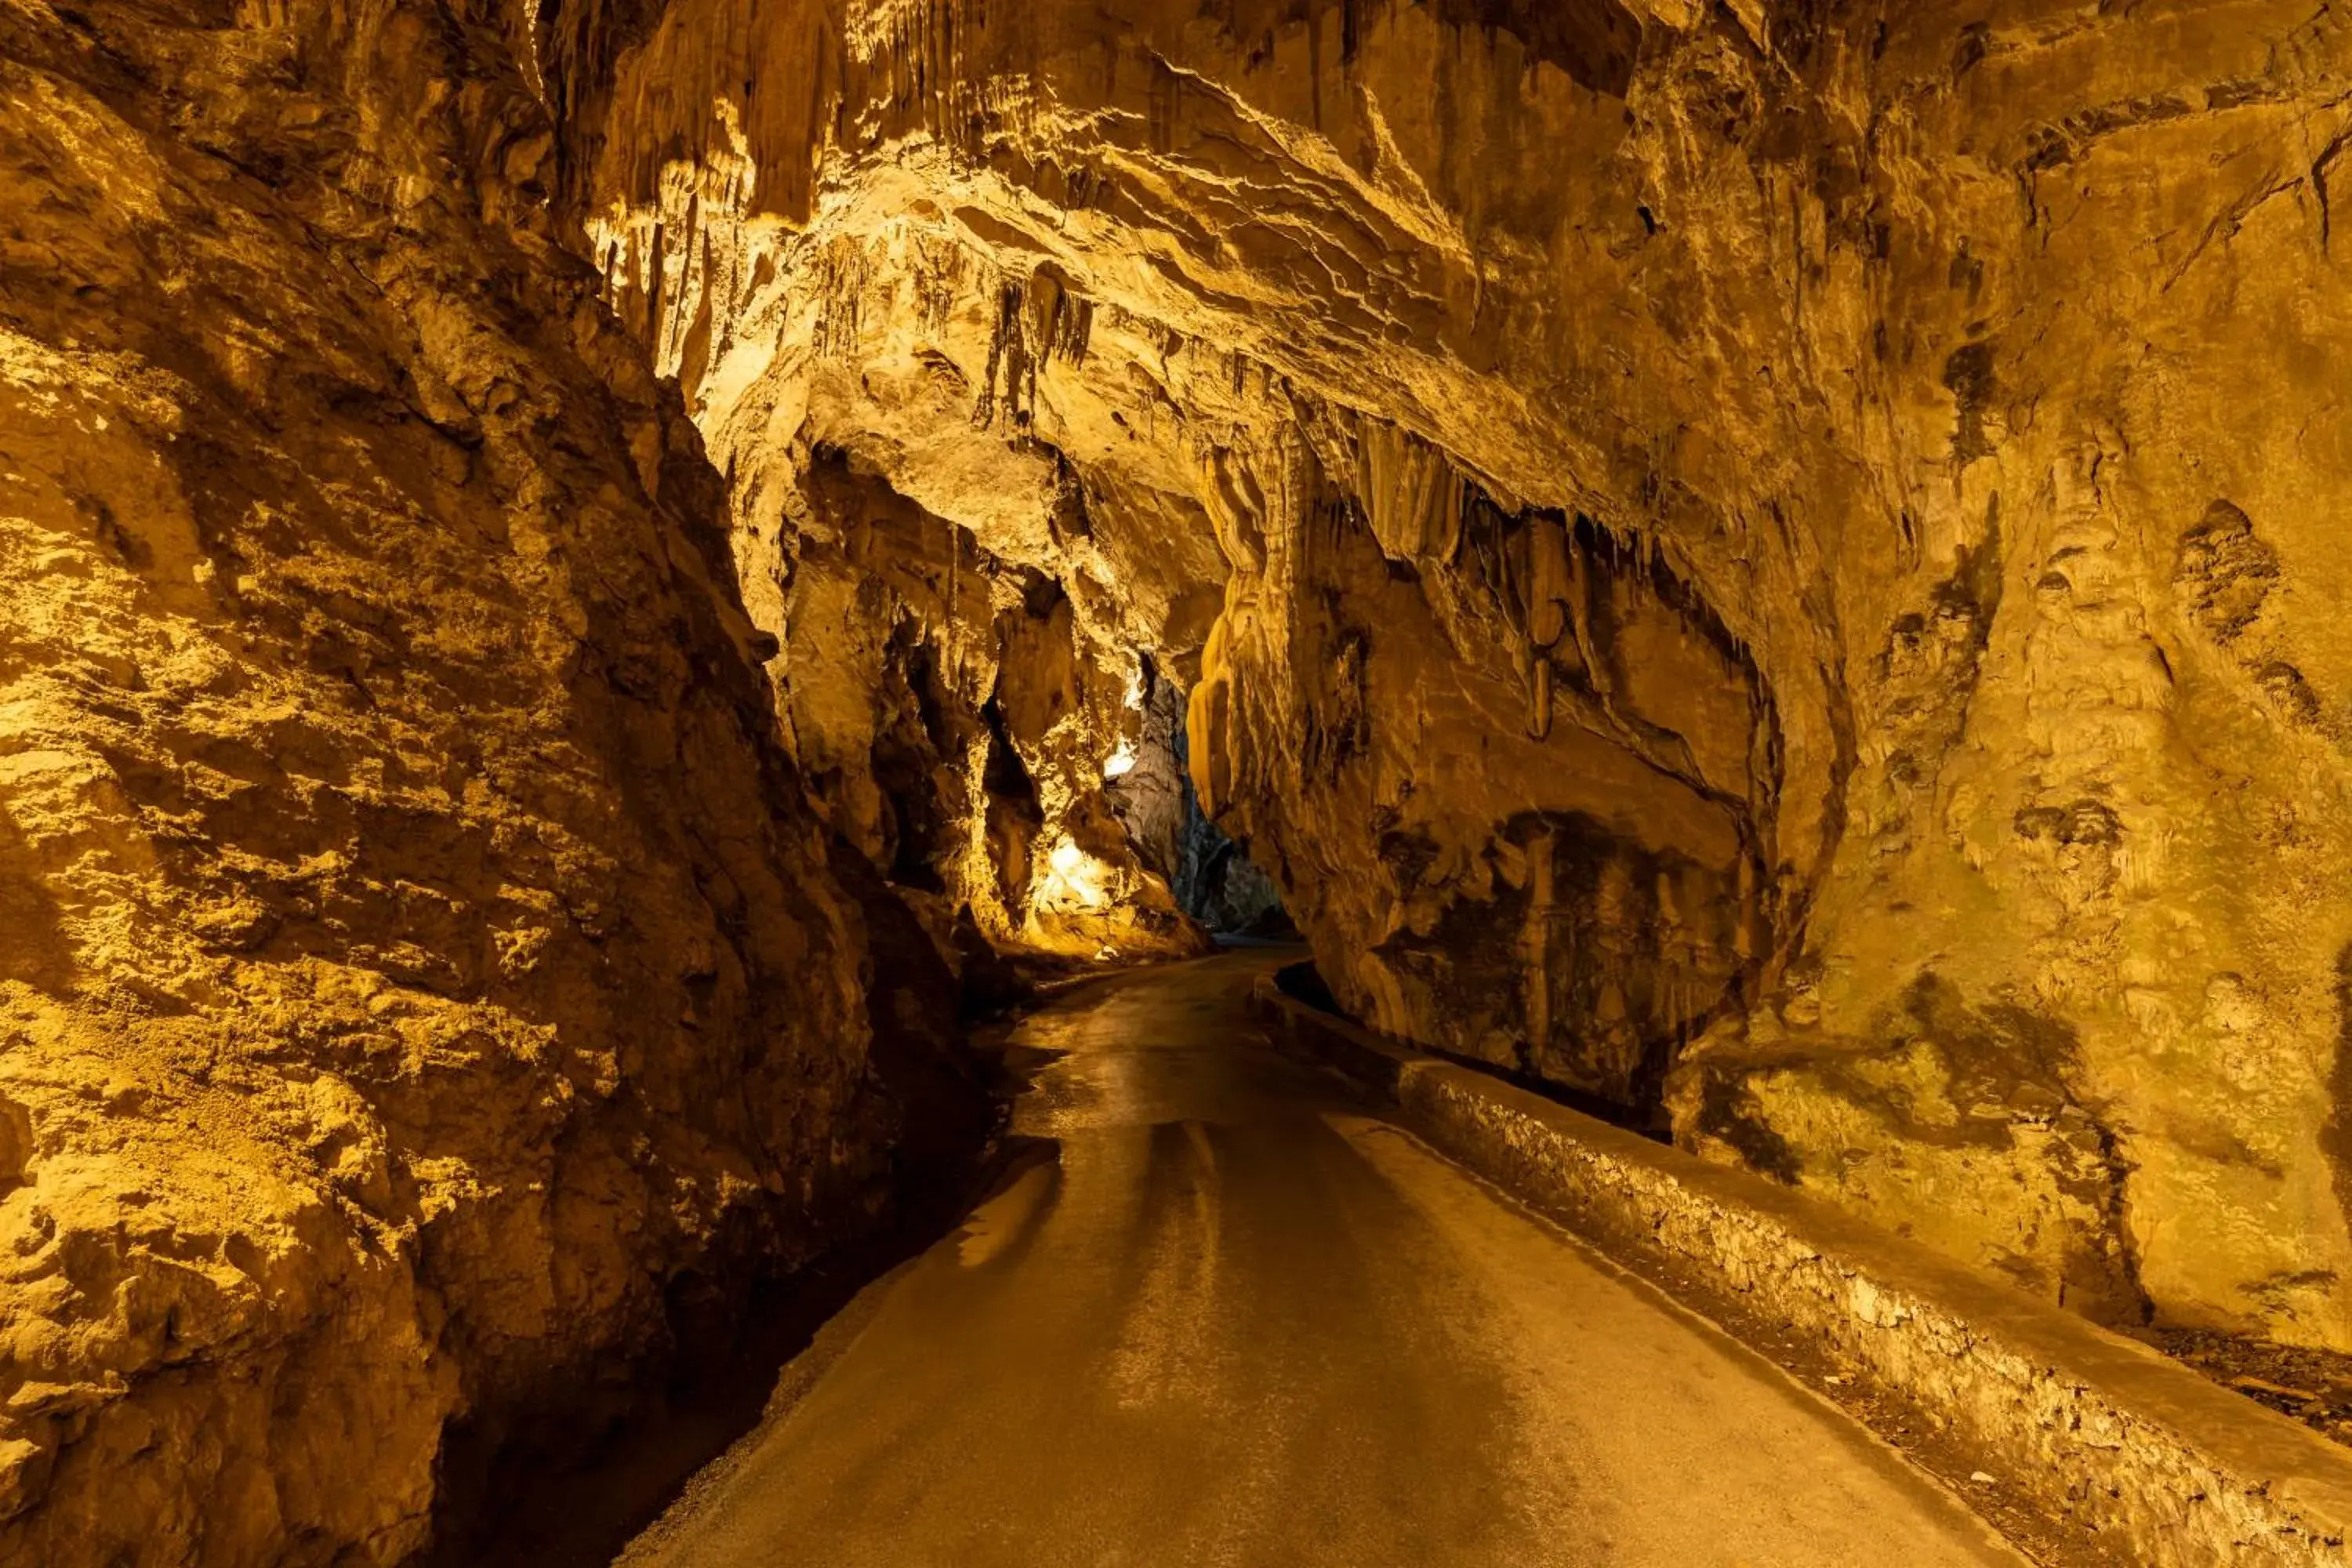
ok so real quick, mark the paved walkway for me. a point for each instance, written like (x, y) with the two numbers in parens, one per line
(1238, 1321)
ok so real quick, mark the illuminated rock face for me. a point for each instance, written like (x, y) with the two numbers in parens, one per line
(420, 980)
(955, 726)
(1772, 565)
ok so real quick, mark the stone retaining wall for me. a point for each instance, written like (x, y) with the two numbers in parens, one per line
(2160, 1465)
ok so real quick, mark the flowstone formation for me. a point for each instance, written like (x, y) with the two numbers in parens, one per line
(1762, 563)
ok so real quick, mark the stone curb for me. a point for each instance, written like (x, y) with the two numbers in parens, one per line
(2165, 1467)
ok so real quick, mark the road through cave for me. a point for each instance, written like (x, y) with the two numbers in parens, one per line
(1226, 1315)
(594, 593)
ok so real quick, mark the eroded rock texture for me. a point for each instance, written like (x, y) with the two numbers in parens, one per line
(956, 726)
(422, 989)
(1770, 562)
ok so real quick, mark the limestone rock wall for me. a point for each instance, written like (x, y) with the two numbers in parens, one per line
(1211, 875)
(1769, 561)
(955, 726)
(421, 981)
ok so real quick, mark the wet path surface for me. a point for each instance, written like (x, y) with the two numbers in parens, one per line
(1236, 1319)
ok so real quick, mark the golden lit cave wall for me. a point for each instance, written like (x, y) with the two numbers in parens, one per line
(1971, 368)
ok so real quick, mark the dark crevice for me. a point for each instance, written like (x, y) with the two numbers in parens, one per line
(1303, 982)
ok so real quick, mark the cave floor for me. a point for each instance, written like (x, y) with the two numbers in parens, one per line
(1223, 1314)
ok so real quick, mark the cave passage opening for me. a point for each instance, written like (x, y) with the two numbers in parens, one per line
(1211, 873)
(1685, 750)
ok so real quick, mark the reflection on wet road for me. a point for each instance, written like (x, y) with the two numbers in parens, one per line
(1236, 1319)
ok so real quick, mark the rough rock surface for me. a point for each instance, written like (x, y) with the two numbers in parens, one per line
(1213, 876)
(1763, 561)
(1767, 562)
(422, 993)
(954, 724)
